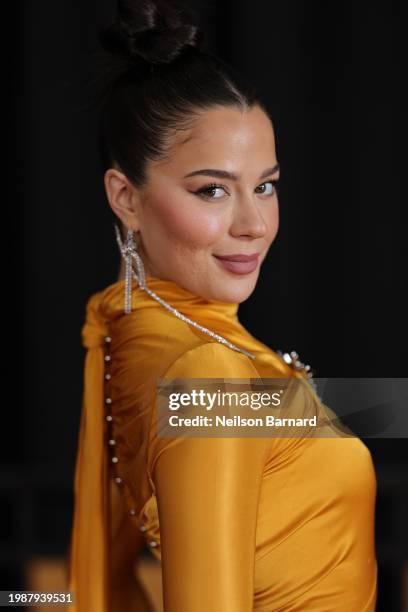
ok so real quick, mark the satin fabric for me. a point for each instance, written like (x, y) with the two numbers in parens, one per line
(239, 524)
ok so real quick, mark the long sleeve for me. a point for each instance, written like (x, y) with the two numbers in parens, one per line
(207, 492)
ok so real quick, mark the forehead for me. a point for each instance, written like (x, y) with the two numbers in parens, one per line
(225, 137)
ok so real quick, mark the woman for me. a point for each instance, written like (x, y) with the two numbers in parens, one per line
(238, 523)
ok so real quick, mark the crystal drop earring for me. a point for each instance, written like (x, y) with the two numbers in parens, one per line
(129, 252)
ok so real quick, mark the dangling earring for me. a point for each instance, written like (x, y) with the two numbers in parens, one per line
(129, 252)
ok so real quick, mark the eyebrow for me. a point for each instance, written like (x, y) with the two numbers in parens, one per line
(229, 175)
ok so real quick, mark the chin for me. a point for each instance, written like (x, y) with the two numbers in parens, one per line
(237, 289)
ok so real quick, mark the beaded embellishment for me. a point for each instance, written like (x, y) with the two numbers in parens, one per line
(114, 459)
(292, 359)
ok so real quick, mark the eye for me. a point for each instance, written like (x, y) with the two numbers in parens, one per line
(208, 191)
(272, 187)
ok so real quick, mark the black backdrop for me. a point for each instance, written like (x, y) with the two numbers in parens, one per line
(334, 285)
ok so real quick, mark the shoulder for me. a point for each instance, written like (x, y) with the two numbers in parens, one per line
(212, 360)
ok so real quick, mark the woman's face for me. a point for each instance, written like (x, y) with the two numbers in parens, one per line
(214, 195)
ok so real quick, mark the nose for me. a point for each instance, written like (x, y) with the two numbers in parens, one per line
(247, 219)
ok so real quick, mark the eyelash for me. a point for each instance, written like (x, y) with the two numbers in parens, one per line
(201, 192)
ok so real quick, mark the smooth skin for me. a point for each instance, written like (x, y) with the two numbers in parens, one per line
(180, 230)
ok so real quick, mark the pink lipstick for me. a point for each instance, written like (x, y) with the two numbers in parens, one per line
(239, 263)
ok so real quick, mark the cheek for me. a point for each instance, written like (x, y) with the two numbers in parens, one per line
(186, 225)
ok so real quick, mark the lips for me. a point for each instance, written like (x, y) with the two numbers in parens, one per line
(238, 264)
(238, 257)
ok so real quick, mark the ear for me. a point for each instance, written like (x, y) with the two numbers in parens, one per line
(123, 197)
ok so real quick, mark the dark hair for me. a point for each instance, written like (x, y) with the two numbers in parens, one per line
(165, 79)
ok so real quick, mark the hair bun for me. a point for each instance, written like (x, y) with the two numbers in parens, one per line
(155, 31)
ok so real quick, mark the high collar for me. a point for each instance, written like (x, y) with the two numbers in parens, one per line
(180, 298)
(108, 305)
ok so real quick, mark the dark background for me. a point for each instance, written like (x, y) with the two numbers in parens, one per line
(334, 285)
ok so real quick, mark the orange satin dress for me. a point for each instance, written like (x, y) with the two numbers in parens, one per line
(239, 524)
